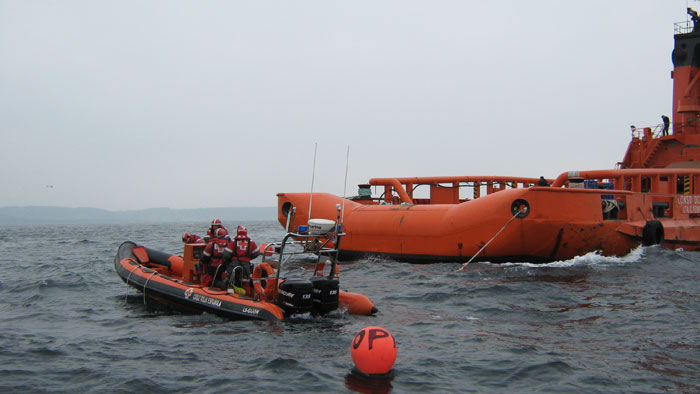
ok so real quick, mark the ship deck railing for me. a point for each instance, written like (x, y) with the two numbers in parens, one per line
(295, 244)
(684, 27)
(449, 190)
(654, 132)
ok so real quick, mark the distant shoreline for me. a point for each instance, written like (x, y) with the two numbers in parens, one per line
(65, 215)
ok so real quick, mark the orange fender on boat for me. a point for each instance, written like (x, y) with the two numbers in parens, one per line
(176, 265)
(357, 304)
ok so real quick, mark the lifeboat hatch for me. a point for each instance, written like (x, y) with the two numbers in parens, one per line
(286, 208)
(520, 207)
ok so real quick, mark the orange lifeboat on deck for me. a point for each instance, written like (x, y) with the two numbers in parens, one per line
(652, 197)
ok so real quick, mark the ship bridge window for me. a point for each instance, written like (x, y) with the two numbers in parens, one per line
(646, 185)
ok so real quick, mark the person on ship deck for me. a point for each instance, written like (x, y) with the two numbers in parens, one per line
(694, 16)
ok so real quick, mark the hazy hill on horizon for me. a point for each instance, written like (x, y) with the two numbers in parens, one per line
(65, 215)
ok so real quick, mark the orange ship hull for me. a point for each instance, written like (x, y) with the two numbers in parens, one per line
(562, 221)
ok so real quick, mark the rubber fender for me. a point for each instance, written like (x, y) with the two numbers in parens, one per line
(653, 233)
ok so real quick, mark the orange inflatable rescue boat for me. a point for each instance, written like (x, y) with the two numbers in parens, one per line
(651, 197)
(174, 280)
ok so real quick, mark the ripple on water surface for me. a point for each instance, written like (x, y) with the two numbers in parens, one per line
(589, 324)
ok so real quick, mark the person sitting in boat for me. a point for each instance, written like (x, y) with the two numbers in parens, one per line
(212, 258)
(215, 225)
(238, 254)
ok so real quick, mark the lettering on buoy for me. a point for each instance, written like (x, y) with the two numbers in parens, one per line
(373, 351)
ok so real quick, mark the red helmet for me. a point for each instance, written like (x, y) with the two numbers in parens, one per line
(242, 231)
(220, 233)
(216, 222)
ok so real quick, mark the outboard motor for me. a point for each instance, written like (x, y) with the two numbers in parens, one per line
(325, 297)
(295, 297)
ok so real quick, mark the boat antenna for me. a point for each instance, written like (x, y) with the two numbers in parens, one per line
(313, 173)
(345, 186)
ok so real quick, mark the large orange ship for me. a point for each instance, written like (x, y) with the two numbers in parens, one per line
(649, 198)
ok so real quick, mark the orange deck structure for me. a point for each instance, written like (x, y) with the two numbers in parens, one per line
(651, 197)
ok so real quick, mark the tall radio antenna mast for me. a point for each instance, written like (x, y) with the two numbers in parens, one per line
(313, 173)
(345, 185)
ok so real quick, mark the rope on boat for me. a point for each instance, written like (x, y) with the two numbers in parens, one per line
(144, 287)
(487, 243)
(216, 273)
(126, 293)
(609, 205)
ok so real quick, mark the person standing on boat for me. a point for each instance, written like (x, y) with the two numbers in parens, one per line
(239, 252)
(212, 257)
(542, 182)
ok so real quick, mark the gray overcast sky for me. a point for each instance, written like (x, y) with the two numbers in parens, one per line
(190, 104)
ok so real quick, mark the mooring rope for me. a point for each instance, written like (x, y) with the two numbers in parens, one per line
(126, 294)
(487, 243)
(144, 287)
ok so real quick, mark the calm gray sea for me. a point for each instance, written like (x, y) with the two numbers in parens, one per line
(592, 324)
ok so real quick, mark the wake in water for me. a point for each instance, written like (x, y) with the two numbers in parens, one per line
(592, 258)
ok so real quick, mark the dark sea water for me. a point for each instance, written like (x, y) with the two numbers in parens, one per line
(592, 324)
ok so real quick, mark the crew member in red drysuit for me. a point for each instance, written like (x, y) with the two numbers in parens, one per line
(212, 258)
(238, 253)
(215, 225)
(188, 238)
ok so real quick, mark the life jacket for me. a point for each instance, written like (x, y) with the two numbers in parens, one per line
(215, 251)
(191, 238)
(242, 249)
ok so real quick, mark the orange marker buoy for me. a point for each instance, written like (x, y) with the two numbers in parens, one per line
(373, 351)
